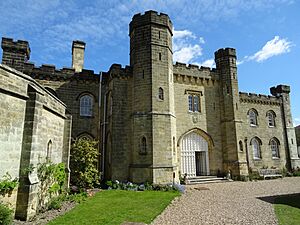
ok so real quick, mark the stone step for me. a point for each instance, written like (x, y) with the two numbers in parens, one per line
(205, 180)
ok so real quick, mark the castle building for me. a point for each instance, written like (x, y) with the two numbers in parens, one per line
(157, 121)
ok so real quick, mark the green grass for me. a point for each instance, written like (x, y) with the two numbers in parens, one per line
(116, 207)
(287, 209)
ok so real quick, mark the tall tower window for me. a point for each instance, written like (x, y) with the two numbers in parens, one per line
(161, 93)
(159, 56)
(194, 103)
(86, 105)
(143, 146)
(256, 143)
(49, 150)
(241, 145)
(274, 144)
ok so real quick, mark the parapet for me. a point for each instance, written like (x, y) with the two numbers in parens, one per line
(259, 98)
(150, 17)
(8, 44)
(192, 70)
(116, 70)
(280, 89)
(49, 72)
(225, 52)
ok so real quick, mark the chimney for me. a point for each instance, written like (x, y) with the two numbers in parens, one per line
(78, 55)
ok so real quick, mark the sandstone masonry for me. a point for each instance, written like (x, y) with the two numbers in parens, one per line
(157, 121)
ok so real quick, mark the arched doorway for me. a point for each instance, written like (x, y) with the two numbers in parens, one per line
(194, 155)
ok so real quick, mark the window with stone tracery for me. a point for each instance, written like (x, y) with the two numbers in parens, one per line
(86, 105)
(274, 144)
(256, 147)
(271, 118)
(252, 117)
(194, 103)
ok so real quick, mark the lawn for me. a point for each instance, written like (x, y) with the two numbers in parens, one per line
(287, 209)
(116, 207)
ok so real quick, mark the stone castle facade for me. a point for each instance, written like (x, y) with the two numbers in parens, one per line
(157, 121)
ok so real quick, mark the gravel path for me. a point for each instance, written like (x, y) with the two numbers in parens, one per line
(228, 203)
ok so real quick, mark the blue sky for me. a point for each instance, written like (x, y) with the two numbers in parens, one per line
(266, 34)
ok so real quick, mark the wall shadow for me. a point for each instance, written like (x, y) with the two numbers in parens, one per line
(292, 200)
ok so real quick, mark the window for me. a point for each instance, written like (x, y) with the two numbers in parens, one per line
(143, 146)
(194, 103)
(274, 144)
(252, 117)
(49, 150)
(271, 118)
(86, 105)
(161, 93)
(256, 143)
(241, 145)
(174, 146)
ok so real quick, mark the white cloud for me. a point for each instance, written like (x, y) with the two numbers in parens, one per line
(208, 63)
(186, 54)
(274, 47)
(186, 46)
(296, 121)
(179, 34)
(201, 40)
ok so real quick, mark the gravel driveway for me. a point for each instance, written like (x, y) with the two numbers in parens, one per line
(228, 203)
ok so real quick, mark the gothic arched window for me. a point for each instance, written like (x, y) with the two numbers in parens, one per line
(271, 118)
(256, 147)
(274, 144)
(86, 105)
(252, 117)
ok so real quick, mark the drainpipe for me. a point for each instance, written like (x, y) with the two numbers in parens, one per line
(103, 134)
(99, 111)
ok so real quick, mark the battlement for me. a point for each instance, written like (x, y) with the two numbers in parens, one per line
(49, 72)
(193, 70)
(8, 44)
(280, 89)
(225, 52)
(116, 70)
(150, 17)
(259, 98)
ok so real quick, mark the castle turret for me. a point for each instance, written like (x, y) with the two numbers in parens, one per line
(229, 99)
(78, 48)
(283, 91)
(153, 97)
(15, 53)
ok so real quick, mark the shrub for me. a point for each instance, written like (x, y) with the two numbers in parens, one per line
(7, 184)
(83, 164)
(6, 216)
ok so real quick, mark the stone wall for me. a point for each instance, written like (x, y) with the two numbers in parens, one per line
(192, 79)
(245, 132)
(33, 126)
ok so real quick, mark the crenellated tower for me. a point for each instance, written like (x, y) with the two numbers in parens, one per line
(229, 99)
(153, 98)
(283, 92)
